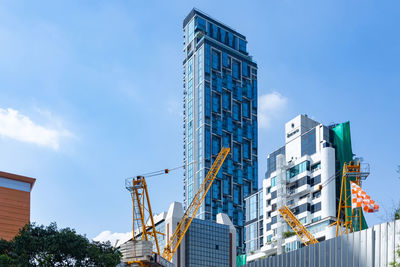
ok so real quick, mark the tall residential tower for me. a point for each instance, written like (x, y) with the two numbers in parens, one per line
(220, 109)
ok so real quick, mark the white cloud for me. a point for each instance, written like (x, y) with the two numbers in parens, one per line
(113, 237)
(270, 107)
(20, 127)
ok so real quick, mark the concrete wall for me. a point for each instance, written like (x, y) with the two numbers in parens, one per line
(373, 247)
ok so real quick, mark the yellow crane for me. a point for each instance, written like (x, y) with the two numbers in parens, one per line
(143, 216)
(305, 236)
(194, 206)
(348, 219)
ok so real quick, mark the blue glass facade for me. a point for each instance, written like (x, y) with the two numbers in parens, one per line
(220, 109)
(207, 244)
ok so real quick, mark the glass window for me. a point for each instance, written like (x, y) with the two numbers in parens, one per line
(246, 109)
(236, 69)
(216, 144)
(316, 194)
(242, 45)
(236, 195)
(271, 161)
(226, 60)
(200, 66)
(190, 31)
(208, 142)
(207, 59)
(207, 101)
(246, 149)
(246, 189)
(245, 69)
(223, 35)
(253, 207)
(230, 39)
(216, 82)
(299, 168)
(316, 219)
(315, 167)
(227, 183)
(217, 189)
(315, 180)
(200, 24)
(316, 207)
(234, 42)
(237, 92)
(216, 103)
(236, 111)
(273, 181)
(237, 133)
(227, 139)
(227, 122)
(216, 57)
(237, 153)
(308, 143)
(214, 31)
(226, 100)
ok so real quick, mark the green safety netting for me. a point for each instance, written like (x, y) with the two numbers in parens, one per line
(344, 153)
(241, 260)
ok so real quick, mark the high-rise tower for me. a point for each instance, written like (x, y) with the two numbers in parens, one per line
(220, 109)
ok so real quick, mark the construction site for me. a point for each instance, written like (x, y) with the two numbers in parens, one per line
(311, 200)
(325, 235)
(152, 137)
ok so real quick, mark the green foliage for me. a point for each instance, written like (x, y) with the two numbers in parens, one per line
(49, 246)
(288, 234)
(395, 263)
(5, 260)
(397, 214)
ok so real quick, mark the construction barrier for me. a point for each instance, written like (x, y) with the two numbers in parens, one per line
(372, 247)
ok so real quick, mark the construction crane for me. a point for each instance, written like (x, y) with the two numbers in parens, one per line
(194, 206)
(305, 236)
(348, 219)
(143, 216)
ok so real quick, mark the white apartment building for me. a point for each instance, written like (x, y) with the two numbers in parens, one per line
(302, 175)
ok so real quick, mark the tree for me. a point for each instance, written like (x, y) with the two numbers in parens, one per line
(397, 254)
(49, 246)
(397, 213)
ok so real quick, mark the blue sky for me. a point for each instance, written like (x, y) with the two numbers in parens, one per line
(91, 93)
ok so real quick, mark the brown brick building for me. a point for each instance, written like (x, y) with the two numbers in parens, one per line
(15, 203)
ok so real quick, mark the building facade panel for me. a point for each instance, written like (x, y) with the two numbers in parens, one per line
(14, 203)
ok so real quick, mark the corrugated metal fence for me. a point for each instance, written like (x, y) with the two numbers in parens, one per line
(373, 247)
